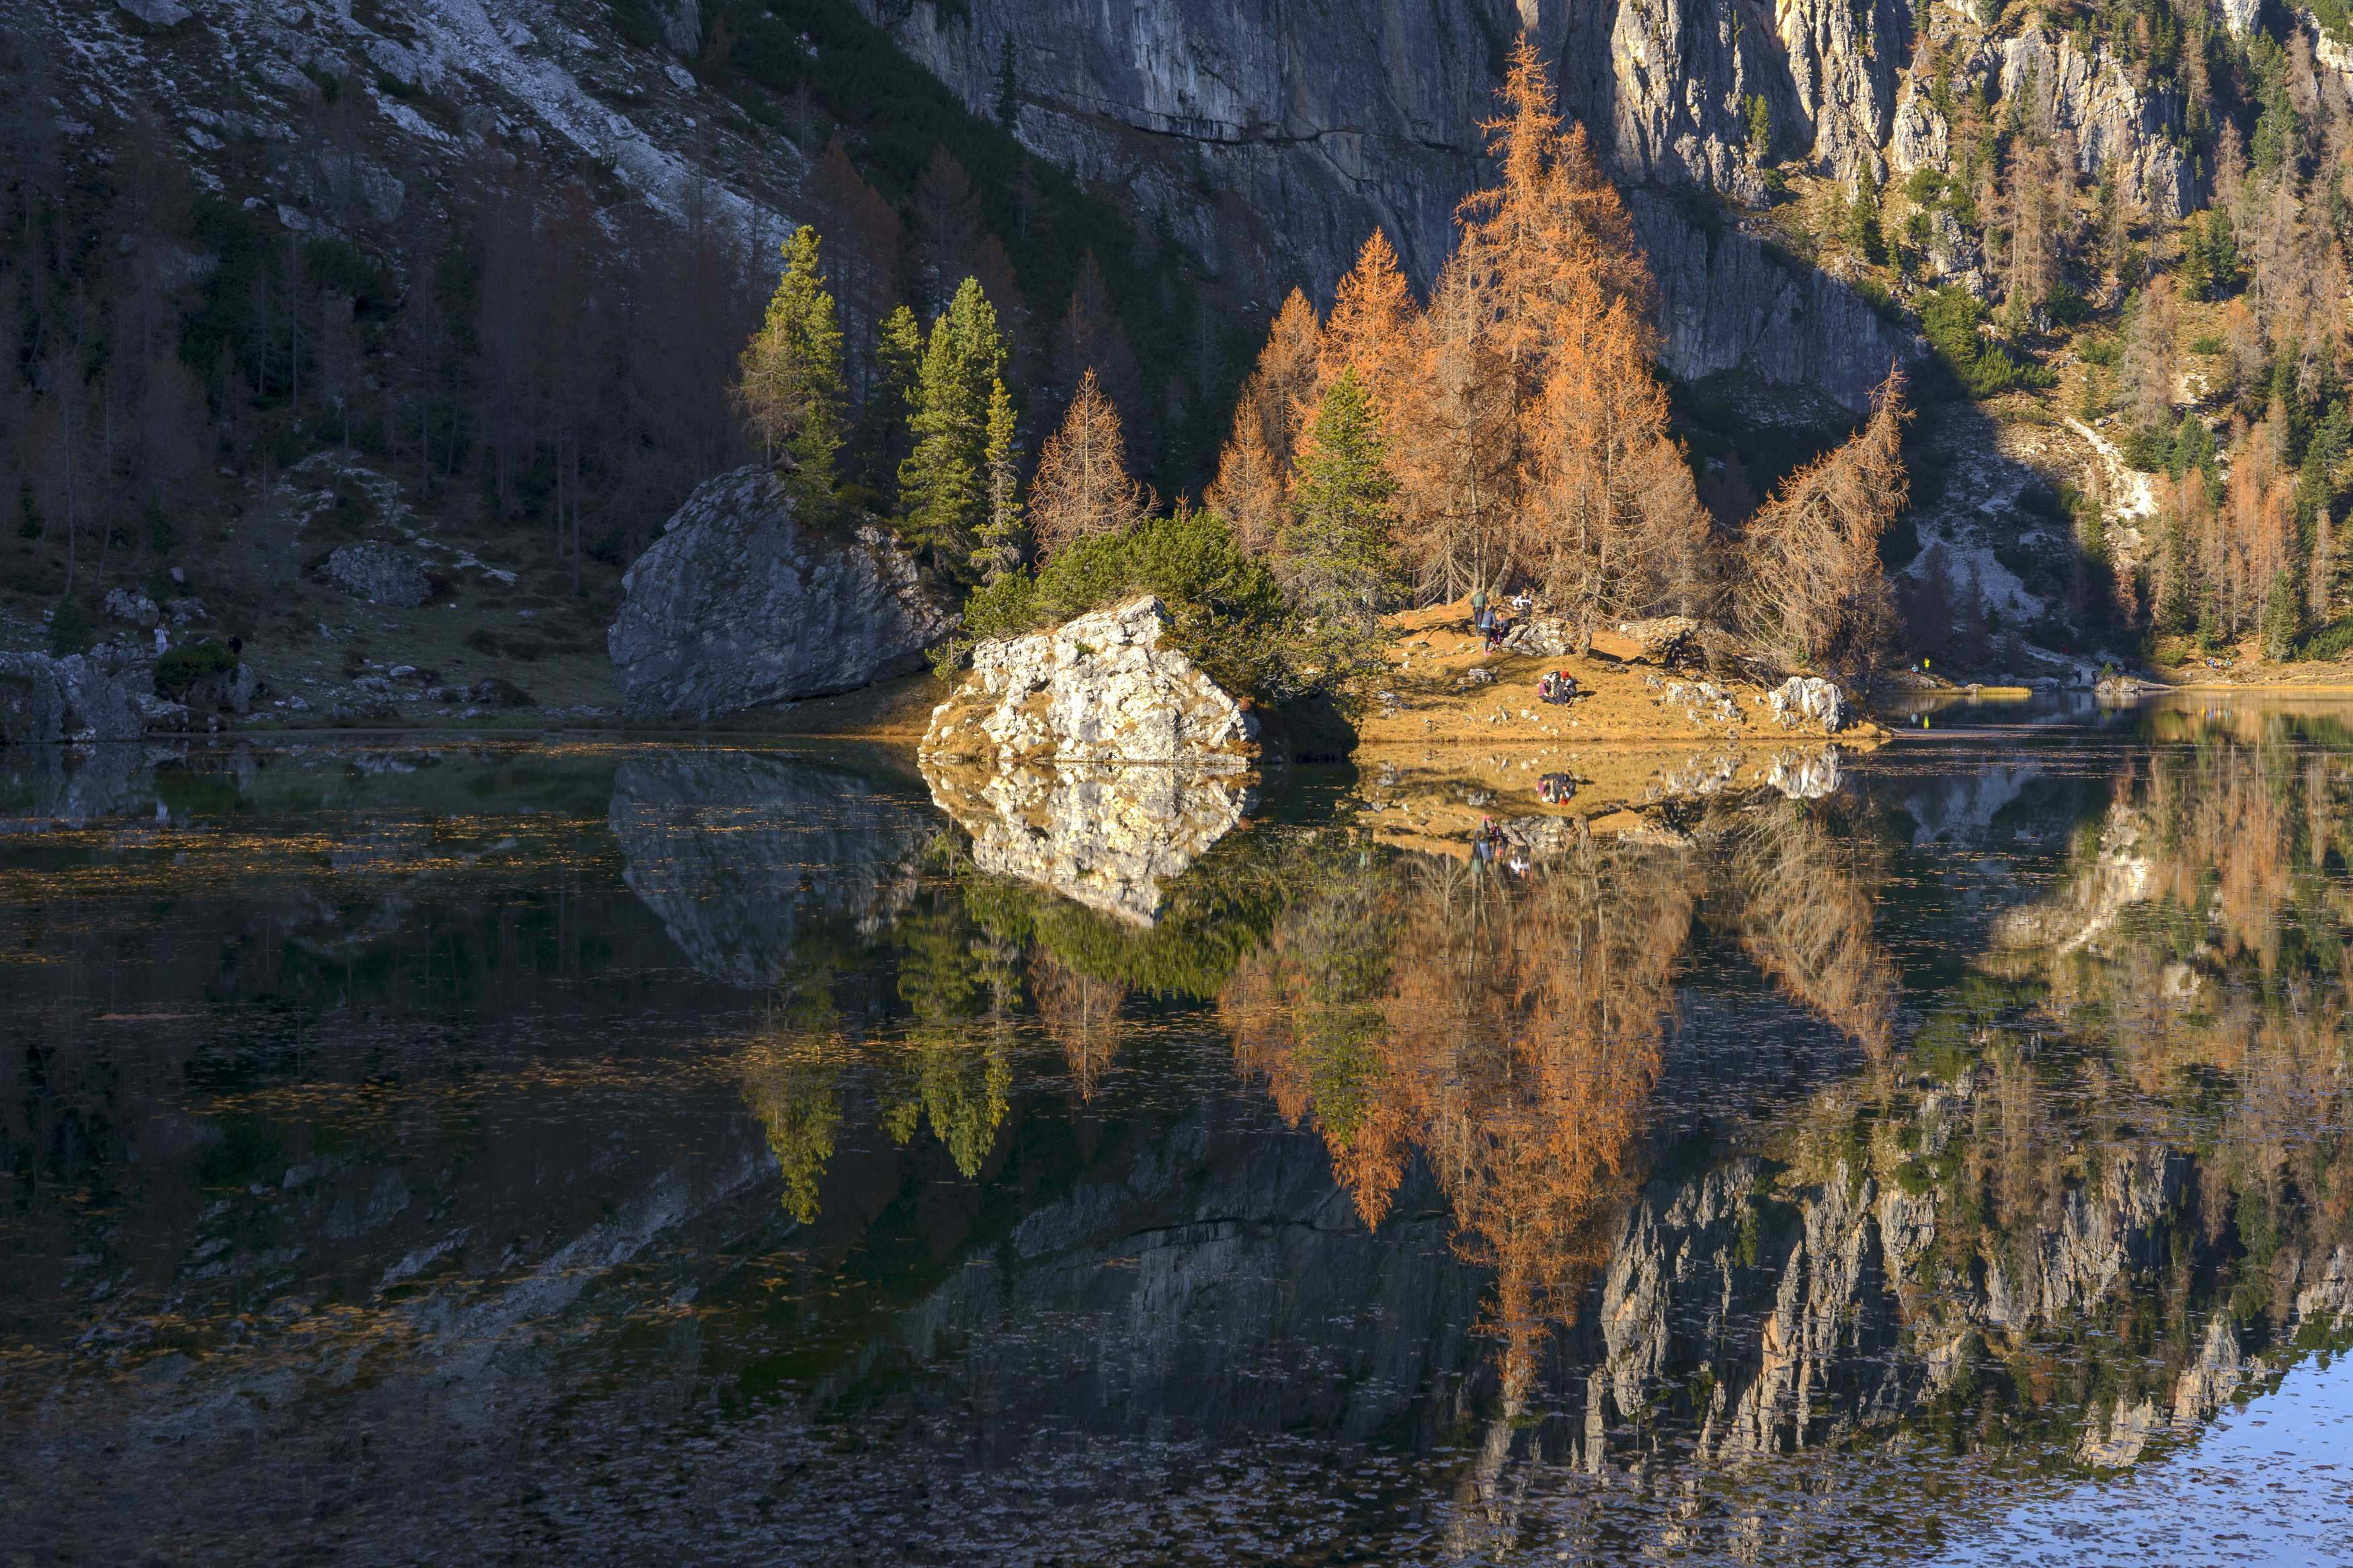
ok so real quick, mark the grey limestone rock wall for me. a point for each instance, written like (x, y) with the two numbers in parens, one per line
(1274, 135)
(739, 604)
(71, 698)
(1727, 302)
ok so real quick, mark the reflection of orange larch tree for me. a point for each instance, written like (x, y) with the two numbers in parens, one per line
(1805, 917)
(1080, 1014)
(1509, 1033)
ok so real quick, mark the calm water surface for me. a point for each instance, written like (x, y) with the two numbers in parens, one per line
(655, 1153)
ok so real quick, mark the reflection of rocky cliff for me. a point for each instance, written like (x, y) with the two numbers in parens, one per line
(1109, 837)
(742, 854)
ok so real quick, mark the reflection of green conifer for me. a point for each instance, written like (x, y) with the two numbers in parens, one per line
(797, 1098)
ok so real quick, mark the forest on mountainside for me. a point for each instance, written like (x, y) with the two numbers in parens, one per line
(535, 345)
(2213, 351)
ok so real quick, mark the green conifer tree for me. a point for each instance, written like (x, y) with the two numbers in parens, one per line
(790, 388)
(1862, 219)
(1337, 556)
(1000, 531)
(943, 489)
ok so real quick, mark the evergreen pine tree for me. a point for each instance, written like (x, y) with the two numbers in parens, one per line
(942, 490)
(1862, 218)
(790, 389)
(1336, 549)
(1000, 533)
(891, 396)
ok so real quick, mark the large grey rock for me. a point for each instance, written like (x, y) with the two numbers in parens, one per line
(72, 699)
(32, 700)
(739, 606)
(129, 605)
(1108, 837)
(157, 13)
(234, 689)
(1802, 698)
(380, 574)
(1100, 688)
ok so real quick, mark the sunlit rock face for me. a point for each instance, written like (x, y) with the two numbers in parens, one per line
(740, 605)
(743, 856)
(1109, 837)
(1103, 688)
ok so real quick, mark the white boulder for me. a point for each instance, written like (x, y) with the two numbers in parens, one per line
(1100, 688)
(1810, 697)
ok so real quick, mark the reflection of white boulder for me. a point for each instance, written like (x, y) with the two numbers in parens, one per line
(1107, 838)
(1100, 688)
(1801, 777)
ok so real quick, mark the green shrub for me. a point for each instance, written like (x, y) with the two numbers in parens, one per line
(1982, 369)
(191, 662)
(2329, 642)
(1924, 186)
(2209, 344)
(1227, 612)
(2101, 352)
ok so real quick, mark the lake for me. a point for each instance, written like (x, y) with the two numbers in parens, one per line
(592, 1152)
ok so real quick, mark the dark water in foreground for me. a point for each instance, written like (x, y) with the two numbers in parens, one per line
(599, 1153)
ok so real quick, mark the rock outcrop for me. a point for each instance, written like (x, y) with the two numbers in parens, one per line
(740, 605)
(380, 574)
(1107, 838)
(129, 605)
(1804, 698)
(45, 699)
(1100, 688)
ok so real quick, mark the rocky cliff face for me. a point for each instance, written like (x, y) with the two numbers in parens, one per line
(1313, 128)
(740, 605)
(1103, 688)
(1731, 301)
(1273, 137)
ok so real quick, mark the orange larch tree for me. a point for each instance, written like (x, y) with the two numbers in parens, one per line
(1082, 487)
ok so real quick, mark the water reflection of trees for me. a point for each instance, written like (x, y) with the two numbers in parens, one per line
(1509, 1030)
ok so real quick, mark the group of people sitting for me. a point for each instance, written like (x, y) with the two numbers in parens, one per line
(1560, 687)
(1495, 628)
